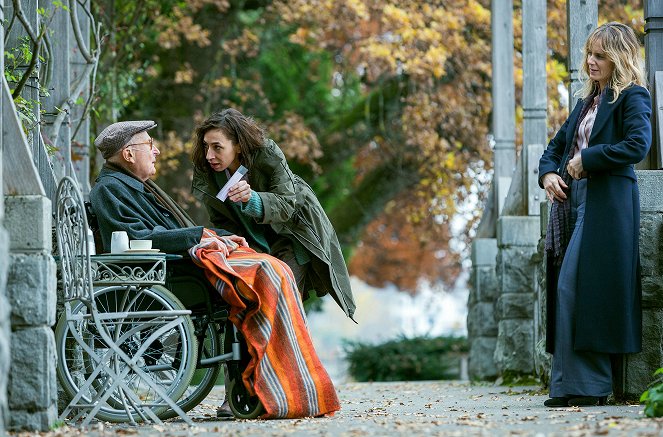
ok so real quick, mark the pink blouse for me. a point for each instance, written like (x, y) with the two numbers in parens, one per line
(585, 128)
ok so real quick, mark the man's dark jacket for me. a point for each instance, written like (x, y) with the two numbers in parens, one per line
(121, 203)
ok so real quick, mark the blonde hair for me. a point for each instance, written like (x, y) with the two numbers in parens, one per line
(622, 48)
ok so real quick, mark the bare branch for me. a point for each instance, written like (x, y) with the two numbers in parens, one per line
(90, 97)
(18, 11)
(32, 66)
(49, 61)
(77, 33)
(64, 108)
(9, 27)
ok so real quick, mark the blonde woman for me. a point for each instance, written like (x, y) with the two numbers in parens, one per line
(593, 276)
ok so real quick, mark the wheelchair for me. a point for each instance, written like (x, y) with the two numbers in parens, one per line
(156, 343)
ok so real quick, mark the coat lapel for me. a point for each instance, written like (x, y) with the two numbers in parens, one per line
(604, 112)
(574, 122)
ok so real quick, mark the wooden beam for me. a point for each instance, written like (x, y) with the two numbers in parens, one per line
(59, 91)
(2, 134)
(81, 141)
(581, 16)
(504, 101)
(654, 64)
(19, 174)
(657, 86)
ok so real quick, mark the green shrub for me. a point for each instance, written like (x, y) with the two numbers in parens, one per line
(653, 397)
(406, 359)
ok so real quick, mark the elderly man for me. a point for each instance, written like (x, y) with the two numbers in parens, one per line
(124, 197)
(291, 381)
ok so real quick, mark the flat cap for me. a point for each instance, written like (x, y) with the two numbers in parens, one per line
(117, 135)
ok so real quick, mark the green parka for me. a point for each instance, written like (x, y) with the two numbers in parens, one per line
(291, 209)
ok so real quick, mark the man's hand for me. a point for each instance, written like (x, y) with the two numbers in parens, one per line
(239, 240)
(574, 167)
(240, 192)
(554, 186)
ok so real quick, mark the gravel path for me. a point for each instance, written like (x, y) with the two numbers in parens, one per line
(446, 408)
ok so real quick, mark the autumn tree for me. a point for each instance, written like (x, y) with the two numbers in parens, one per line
(383, 106)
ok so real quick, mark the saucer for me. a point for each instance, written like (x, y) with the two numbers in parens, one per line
(142, 251)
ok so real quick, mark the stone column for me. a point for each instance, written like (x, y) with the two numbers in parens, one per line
(582, 16)
(481, 325)
(504, 103)
(31, 286)
(5, 328)
(654, 60)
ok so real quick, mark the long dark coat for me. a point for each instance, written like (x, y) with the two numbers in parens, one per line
(608, 314)
(292, 210)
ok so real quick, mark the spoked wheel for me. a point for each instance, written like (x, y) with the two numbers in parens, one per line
(204, 378)
(169, 359)
(242, 403)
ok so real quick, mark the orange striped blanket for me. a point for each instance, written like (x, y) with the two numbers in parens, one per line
(284, 371)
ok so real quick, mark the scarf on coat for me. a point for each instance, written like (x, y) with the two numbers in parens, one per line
(560, 225)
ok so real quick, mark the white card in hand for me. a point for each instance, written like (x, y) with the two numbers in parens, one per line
(223, 194)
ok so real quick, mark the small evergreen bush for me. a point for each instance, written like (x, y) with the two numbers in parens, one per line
(406, 359)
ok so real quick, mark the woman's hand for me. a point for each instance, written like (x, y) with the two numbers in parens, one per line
(239, 240)
(240, 192)
(554, 186)
(574, 167)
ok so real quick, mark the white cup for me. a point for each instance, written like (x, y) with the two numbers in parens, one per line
(119, 242)
(140, 244)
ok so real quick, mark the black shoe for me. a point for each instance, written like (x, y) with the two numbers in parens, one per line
(224, 412)
(587, 401)
(557, 402)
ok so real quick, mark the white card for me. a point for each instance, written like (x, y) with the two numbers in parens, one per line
(223, 194)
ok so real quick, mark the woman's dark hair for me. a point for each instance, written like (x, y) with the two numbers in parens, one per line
(243, 131)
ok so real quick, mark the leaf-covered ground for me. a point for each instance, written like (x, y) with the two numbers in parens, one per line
(449, 408)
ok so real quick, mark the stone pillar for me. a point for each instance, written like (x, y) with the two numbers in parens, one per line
(517, 240)
(503, 95)
(481, 325)
(5, 328)
(639, 368)
(31, 286)
(654, 59)
(582, 16)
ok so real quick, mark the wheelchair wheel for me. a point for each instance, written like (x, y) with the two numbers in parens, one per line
(169, 360)
(204, 378)
(242, 404)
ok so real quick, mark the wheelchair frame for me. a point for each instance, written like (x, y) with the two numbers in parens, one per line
(104, 371)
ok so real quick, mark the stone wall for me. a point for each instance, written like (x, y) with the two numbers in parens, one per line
(481, 324)
(31, 287)
(517, 239)
(5, 329)
(639, 368)
(542, 359)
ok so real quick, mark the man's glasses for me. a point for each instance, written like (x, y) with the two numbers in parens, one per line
(150, 143)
